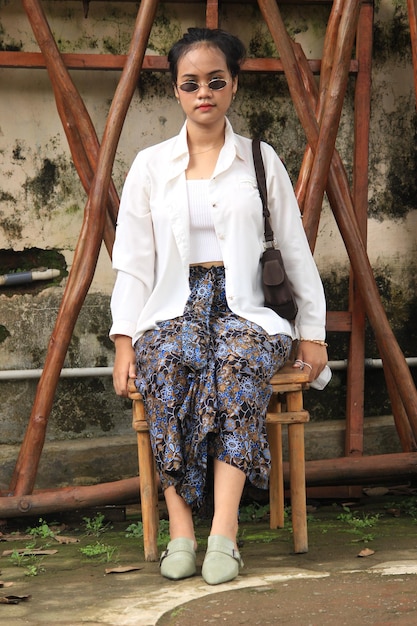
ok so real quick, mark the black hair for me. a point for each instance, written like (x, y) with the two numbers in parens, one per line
(231, 46)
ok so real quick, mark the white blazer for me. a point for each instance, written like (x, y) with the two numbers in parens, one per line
(152, 246)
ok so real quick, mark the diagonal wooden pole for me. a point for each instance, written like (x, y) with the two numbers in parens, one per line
(311, 87)
(342, 207)
(404, 430)
(76, 122)
(412, 18)
(330, 110)
(85, 258)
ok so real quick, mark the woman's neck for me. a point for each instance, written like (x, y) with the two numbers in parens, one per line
(201, 140)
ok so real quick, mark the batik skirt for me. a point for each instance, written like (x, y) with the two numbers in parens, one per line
(205, 378)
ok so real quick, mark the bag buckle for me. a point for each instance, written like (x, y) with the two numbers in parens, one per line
(271, 243)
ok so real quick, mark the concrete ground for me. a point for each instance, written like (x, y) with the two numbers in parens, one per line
(360, 569)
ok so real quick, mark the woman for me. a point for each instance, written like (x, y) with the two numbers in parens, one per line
(188, 317)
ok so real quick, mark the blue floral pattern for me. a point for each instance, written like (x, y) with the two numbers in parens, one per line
(205, 382)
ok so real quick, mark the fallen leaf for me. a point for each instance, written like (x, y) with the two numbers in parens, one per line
(66, 540)
(13, 599)
(122, 569)
(14, 537)
(3, 585)
(29, 552)
(366, 552)
(376, 491)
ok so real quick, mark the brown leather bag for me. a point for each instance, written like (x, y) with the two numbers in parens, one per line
(276, 286)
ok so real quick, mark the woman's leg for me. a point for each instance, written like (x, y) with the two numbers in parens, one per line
(178, 560)
(222, 559)
(180, 516)
(228, 487)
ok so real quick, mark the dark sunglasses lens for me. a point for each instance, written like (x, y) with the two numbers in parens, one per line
(217, 83)
(189, 86)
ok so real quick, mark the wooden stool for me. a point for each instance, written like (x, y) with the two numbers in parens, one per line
(285, 407)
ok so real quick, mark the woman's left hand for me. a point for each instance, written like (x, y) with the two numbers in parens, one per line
(312, 357)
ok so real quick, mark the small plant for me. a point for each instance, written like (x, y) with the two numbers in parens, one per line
(101, 550)
(25, 559)
(408, 506)
(34, 569)
(19, 559)
(135, 530)
(253, 512)
(43, 531)
(163, 532)
(359, 524)
(95, 526)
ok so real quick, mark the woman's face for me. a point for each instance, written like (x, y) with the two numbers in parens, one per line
(202, 64)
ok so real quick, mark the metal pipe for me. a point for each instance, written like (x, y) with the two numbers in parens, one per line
(86, 372)
(20, 278)
(70, 372)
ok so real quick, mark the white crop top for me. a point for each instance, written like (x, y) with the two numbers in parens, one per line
(204, 246)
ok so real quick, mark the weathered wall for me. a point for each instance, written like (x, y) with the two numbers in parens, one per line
(42, 200)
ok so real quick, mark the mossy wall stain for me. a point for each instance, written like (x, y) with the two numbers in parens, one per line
(89, 408)
(8, 44)
(43, 184)
(391, 37)
(393, 151)
(395, 195)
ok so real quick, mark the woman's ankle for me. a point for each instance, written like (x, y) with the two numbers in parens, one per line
(225, 529)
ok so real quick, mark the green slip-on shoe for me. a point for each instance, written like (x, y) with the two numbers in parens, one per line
(222, 561)
(178, 560)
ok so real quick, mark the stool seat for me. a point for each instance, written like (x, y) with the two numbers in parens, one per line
(285, 408)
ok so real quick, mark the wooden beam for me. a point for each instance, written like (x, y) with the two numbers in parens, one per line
(151, 63)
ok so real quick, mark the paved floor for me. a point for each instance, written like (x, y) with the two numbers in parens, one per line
(330, 585)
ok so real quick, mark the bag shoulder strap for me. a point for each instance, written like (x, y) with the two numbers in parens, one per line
(261, 180)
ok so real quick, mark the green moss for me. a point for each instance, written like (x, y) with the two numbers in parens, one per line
(261, 44)
(110, 46)
(73, 209)
(154, 85)
(166, 30)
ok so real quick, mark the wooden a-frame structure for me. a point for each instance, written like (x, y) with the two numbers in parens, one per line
(319, 110)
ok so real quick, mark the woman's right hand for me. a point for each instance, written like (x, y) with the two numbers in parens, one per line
(124, 364)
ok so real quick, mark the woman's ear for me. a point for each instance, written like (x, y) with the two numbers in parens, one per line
(235, 81)
(176, 92)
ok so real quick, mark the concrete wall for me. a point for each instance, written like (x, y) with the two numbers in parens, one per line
(42, 203)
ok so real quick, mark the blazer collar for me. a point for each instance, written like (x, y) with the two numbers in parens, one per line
(180, 155)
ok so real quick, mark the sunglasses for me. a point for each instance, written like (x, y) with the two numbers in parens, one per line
(215, 84)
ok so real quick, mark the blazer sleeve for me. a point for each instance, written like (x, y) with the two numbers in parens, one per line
(133, 252)
(298, 260)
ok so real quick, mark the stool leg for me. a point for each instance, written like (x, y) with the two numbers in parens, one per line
(297, 476)
(148, 484)
(276, 477)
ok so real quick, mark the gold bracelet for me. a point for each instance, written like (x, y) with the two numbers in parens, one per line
(319, 342)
